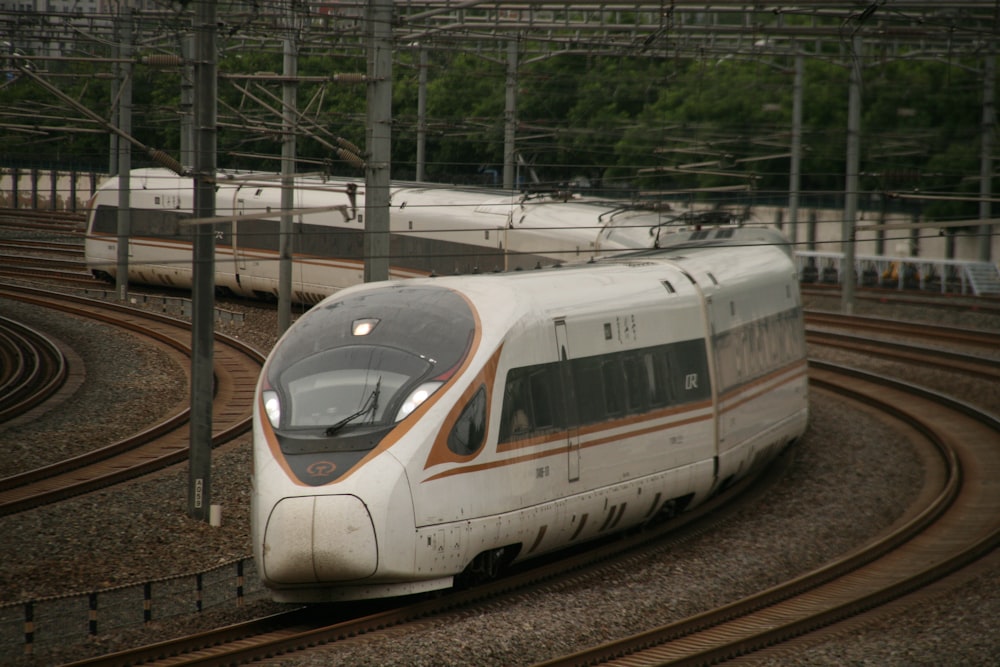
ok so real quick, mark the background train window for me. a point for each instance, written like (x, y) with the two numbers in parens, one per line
(333, 242)
(258, 234)
(164, 224)
(106, 219)
(469, 431)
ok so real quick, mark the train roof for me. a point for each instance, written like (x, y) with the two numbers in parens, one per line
(757, 259)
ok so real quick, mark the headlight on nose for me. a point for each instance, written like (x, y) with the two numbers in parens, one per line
(416, 397)
(272, 406)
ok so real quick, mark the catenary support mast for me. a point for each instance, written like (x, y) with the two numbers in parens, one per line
(203, 290)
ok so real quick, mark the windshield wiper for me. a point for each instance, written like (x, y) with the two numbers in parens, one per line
(371, 405)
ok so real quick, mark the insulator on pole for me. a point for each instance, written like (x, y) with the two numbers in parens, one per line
(166, 160)
(347, 145)
(162, 60)
(353, 77)
(350, 158)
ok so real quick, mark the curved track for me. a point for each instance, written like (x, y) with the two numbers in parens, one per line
(32, 368)
(236, 369)
(921, 330)
(959, 524)
(304, 628)
(863, 339)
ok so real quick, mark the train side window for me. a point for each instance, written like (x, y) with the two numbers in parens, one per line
(656, 378)
(589, 389)
(542, 415)
(635, 384)
(469, 431)
(514, 421)
(614, 387)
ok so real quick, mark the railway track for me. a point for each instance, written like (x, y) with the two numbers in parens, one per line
(43, 248)
(51, 252)
(236, 368)
(75, 277)
(34, 220)
(947, 335)
(303, 628)
(944, 358)
(945, 530)
(32, 368)
(875, 296)
(958, 525)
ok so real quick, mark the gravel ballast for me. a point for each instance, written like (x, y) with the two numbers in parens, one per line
(849, 478)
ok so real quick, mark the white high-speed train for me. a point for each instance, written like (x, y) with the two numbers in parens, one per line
(434, 230)
(410, 433)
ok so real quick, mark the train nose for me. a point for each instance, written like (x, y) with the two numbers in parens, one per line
(314, 539)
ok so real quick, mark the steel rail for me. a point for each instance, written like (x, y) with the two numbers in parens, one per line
(32, 368)
(166, 442)
(960, 526)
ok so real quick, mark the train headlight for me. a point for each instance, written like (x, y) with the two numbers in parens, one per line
(272, 406)
(364, 326)
(416, 397)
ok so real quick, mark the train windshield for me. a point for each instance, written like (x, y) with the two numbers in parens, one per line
(355, 365)
(353, 385)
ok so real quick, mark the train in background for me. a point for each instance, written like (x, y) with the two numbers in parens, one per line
(412, 434)
(434, 230)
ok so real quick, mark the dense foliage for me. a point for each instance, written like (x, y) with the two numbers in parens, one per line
(611, 122)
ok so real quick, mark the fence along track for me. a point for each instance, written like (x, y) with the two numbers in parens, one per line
(962, 524)
(236, 368)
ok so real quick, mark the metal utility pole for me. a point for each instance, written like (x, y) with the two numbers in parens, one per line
(510, 116)
(422, 117)
(289, 89)
(124, 229)
(847, 276)
(795, 178)
(203, 291)
(986, 158)
(378, 15)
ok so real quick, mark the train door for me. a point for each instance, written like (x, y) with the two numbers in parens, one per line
(709, 326)
(713, 365)
(569, 403)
